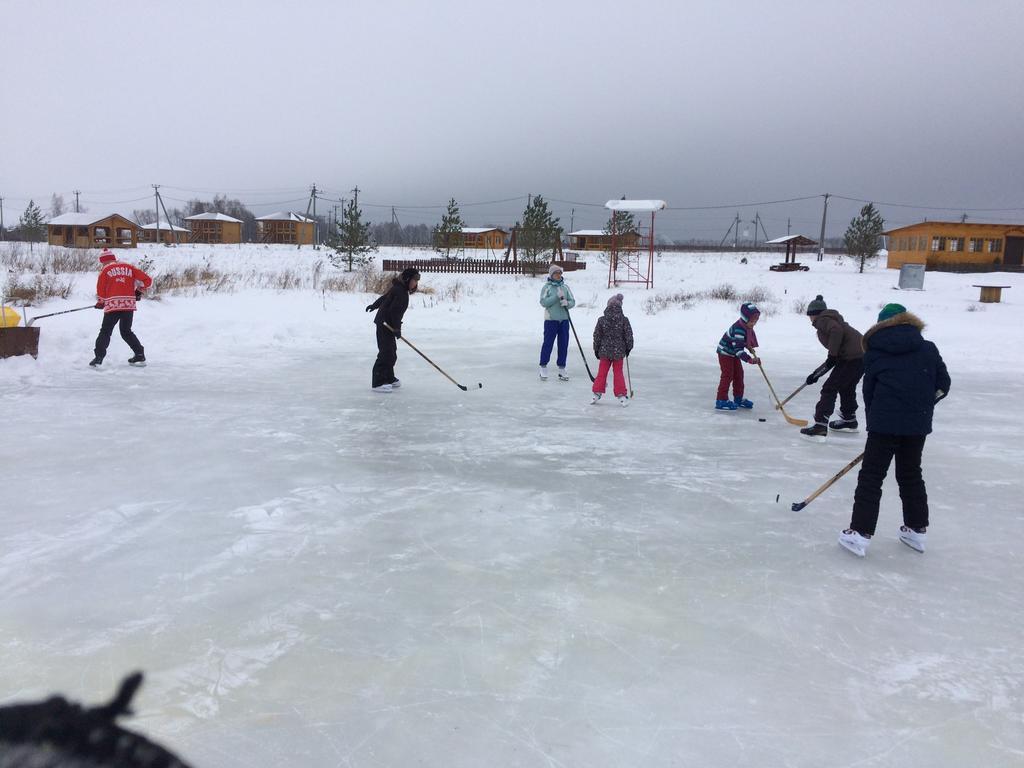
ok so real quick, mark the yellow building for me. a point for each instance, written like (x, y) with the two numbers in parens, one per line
(285, 227)
(91, 230)
(214, 228)
(599, 240)
(168, 233)
(944, 243)
(490, 238)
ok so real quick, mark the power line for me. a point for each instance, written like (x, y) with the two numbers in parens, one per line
(927, 207)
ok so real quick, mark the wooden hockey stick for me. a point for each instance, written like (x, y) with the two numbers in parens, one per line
(795, 393)
(798, 505)
(786, 416)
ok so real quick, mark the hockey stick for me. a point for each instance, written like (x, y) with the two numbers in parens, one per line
(40, 317)
(439, 369)
(585, 365)
(629, 379)
(786, 416)
(795, 393)
(798, 505)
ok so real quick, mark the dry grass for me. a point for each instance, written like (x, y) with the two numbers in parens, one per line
(37, 289)
(759, 295)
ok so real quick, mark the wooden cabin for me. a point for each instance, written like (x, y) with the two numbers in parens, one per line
(945, 243)
(599, 240)
(90, 230)
(214, 228)
(489, 238)
(285, 227)
(168, 232)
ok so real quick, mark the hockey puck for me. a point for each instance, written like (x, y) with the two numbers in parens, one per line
(777, 498)
(762, 419)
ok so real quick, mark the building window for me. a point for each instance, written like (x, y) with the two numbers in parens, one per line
(956, 244)
(938, 243)
(83, 231)
(975, 246)
(57, 231)
(995, 246)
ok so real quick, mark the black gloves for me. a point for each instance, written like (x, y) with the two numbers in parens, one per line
(99, 304)
(398, 333)
(811, 379)
(370, 307)
(821, 370)
(138, 295)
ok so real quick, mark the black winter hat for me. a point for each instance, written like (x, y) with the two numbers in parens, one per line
(409, 274)
(817, 306)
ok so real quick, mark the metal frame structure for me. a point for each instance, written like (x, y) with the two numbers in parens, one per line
(631, 258)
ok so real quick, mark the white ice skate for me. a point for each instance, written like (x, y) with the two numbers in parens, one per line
(623, 401)
(383, 389)
(562, 375)
(912, 538)
(596, 398)
(396, 384)
(543, 373)
(854, 542)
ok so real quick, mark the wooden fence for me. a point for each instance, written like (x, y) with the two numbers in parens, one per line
(476, 266)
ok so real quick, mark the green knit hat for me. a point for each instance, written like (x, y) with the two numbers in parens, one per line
(891, 310)
(817, 306)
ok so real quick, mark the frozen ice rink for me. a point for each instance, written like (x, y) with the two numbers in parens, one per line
(313, 574)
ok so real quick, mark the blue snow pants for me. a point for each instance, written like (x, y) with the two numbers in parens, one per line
(555, 329)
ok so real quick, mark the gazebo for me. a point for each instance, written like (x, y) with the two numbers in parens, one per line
(627, 250)
(792, 242)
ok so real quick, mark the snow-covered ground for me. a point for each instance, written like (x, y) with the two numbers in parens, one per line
(313, 574)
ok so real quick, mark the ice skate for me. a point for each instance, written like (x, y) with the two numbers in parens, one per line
(844, 425)
(913, 539)
(596, 398)
(741, 403)
(543, 373)
(816, 432)
(623, 401)
(562, 375)
(383, 389)
(725, 405)
(96, 362)
(854, 542)
(137, 360)
(396, 384)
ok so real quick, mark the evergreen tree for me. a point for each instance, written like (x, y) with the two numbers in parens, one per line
(623, 221)
(351, 243)
(538, 233)
(863, 234)
(31, 224)
(449, 229)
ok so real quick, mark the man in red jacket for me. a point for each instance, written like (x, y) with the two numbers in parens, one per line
(118, 287)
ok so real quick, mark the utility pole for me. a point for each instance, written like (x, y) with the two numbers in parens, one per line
(77, 193)
(736, 236)
(2, 236)
(963, 218)
(355, 196)
(156, 207)
(787, 227)
(572, 219)
(821, 240)
(755, 222)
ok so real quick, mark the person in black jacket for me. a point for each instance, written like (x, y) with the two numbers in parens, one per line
(390, 311)
(904, 377)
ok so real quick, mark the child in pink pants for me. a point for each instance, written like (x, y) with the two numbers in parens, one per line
(613, 341)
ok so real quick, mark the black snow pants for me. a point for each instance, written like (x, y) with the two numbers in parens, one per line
(124, 319)
(842, 381)
(387, 356)
(878, 453)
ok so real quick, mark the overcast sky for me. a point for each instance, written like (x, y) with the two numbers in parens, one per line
(699, 103)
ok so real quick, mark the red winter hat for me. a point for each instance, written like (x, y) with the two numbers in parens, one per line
(107, 256)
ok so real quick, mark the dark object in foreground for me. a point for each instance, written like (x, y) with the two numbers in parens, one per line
(439, 369)
(19, 341)
(798, 505)
(59, 734)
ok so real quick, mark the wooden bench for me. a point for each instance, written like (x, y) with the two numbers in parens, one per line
(991, 294)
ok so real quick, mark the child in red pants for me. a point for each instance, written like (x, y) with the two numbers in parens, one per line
(613, 341)
(731, 350)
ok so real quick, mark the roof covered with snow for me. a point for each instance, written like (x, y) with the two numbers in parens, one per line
(164, 226)
(797, 239)
(284, 216)
(212, 217)
(480, 230)
(587, 233)
(81, 219)
(636, 206)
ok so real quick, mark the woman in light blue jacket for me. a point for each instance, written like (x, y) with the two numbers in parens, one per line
(557, 300)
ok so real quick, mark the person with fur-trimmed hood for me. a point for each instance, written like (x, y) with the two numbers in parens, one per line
(613, 341)
(391, 309)
(737, 344)
(845, 361)
(119, 286)
(904, 376)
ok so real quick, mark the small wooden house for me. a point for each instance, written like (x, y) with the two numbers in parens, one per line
(944, 243)
(599, 240)
(214, 228)
(168, 233)
(488, 238)
(91, 230)
(285, 227)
